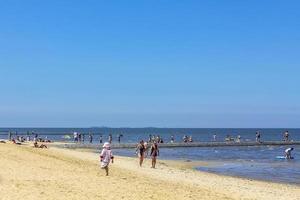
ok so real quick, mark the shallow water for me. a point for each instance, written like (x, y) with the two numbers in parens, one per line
(249, 162)
(132, 135)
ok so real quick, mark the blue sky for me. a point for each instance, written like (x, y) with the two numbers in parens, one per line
(149, 63)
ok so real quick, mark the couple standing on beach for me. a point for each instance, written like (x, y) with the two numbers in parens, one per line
(142, 152)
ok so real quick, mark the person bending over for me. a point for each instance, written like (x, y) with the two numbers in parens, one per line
(288, 153)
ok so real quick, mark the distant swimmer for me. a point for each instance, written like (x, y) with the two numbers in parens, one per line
(288, 153)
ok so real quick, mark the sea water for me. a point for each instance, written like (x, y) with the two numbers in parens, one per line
(255, 162)
(133, 135)
(250, 162)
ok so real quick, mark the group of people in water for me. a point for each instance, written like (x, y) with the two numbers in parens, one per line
(80, 138)
(257, 137)
(144, 149)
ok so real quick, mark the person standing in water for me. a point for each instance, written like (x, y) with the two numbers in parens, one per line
(75, 136)
(191, 139)
(9, 136)
(110, 138)
(286, 136)
(100, 139)
(257, 135)
(140, 151)
(106, 157)
(150, 138)
(83, 137)
(79, 137)
(185, 138)
(91, 138)
(288, 153)
(238, 139)
(154, 153)
(172, 139)
(27, 136)
(119, 138)
(214, 137)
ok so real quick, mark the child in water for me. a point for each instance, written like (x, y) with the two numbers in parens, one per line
(106, 156)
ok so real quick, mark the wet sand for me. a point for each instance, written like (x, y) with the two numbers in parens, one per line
(28, 173)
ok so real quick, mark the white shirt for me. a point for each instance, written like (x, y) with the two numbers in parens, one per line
(288, 150)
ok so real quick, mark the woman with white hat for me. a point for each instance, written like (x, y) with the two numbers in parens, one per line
(106, 156)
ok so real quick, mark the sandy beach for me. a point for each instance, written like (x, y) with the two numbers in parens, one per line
(28, 173)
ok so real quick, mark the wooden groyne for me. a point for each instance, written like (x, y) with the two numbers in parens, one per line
(178, 145)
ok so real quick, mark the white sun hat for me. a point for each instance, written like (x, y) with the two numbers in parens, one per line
(106, 145)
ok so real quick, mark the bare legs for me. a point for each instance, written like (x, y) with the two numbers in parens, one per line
(141, 160)
(153, 162)
(106, 170)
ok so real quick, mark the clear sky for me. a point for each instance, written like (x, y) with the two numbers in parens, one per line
(150, 63)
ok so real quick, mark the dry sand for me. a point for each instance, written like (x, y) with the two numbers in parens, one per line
(28, 173)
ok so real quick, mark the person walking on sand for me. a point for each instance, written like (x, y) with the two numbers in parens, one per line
(146, 151)
(140, 151)
(154, 153)
(106, 157)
